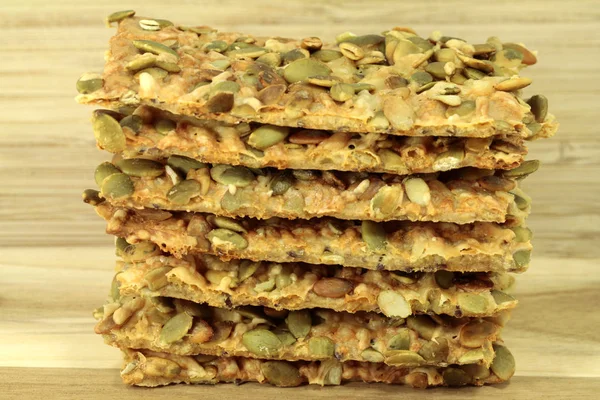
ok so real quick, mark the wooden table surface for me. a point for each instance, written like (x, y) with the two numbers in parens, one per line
(57, 262)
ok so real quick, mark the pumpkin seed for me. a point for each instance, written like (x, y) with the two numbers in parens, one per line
(302, 69)
(501, 297)
(156, 73)
(404, 48)
(526, 168)
(281, 373)
(120, 245)
(324, 81)
(266, 286)
(504, 362)
(270, 59)
(331, 370)
(333, 288)
(161, 367)
(182, 165)
(435, 351)
(455, 377)
(115, 294)
(476, 371)
(176, 328)
(162, 304)
(445, 55)
(215, 276)
(395, 82)
(218, 45)
(485, 48)
(539, 107)
(341, 92)
(521, 202)
(89, 83)
(400, 341)
(225, 86)
(133, 122)
(522, 234)
(321, 347)
(351, 51)
(150, 46)
(140, 251)
(184, 191)
(473, 303)
(231, 175)
(104, 170)
(222, 236)
(261, 342)
(403, 358)
(117, 186)
(526, 57)
(472, 73)
(92, 197)
(358, 87)
(284, 279)
(421, 78)
(267, 136)
(164, 126)
(308, 136)
(393, 304)
(387, 199)
(373, 234)
(141, 167)
(141, 62)
(371, 355)
(108, 132)
(436, 69)
(476, 333)
(417, 191)
(231, 202)
(247, 269)
(281, 183)
(522, 258)
(220, 102)
(287, 339)
(226, 223)
(168, 66)
(465, 108)
(119, 16)
(512, 84)
(423, 325)
(293, 55)
(157, 278)
(495, 183)
(326, 55)
(444, 279)
(299, 323)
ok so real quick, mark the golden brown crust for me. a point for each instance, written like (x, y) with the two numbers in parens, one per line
(220, 143)
(403, 105)
(294, 286)
(448, 197)
(185, 328)
(410, 246)
(148, 368)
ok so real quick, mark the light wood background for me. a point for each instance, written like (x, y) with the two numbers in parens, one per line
(56, 261)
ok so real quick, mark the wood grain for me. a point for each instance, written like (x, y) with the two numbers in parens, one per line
(57, 263)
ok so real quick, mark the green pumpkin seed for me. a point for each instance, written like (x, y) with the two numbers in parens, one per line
(220, 102)
(326, 55)
(455, 377)
(404, 48)
(117, 186)
(421, 78)
(341, 91)
(526, 168)
(287, 339)
(388, 198)
(141, 62)
(417, 191)
(176, 328)
(139, 251)
(232, 175)
(261, 342)
(182, 165)
(115, 293)
(194, 309)
(120, 246)
(204, 358)
(305, 174)
(247, 269)
(222, 65)
(218, 45)
(281, 373)
(108, 132)
(465, 108)
(527, 57)
(104, 170)
(168, 66)
(267, 136)
(89, 83)
(522, 234)
(522, 258)
(225, 86)
(400, 341)
(299, 323)
(301, 70)
(444, 279)
(373, 234)
(119, 16)
(539, 107)
(226, 223)
(92, 197)
(473, 303)
(293, 55)
(423, 44)
(371, 355)
(425, 87)
(231, 202)
(141, 167)
(435, 351)
(283, 280)
(163, 304)
(534, 128)
(157, 278)
(332, 372)
(281, 183)
(445, 55)
(222, 236)
(423, 325)
(483, 49)
(395, 82)
(436, 69)
(184, 191)
(133, 122)
(156, 73)
(472, 73)
(271, 59)
(501, 297)
(150, 46)
(477, 371)
(403, 358)
(321, 347)
(504, 363)
(164, 126)
(266, 286)
(521, 202)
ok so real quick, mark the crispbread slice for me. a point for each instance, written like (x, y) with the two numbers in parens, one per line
(393, 87)
(186, 328)
(156, 134)
(407, 246)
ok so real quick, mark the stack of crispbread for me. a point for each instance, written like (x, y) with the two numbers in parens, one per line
(289, 211)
